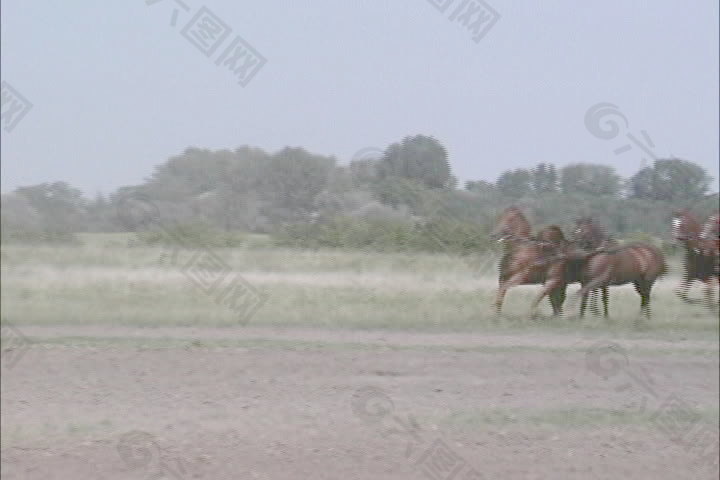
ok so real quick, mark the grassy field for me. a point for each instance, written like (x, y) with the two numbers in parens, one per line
(120, 342)
(110, 281)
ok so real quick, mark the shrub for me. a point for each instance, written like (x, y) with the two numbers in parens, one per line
(437, 235)
(191, 235)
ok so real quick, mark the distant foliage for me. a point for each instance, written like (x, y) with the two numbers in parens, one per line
(402, 197)
(438, 235)
(589, 179)
(37, 219)
(670, 180)
(419, 158)
(192, 235)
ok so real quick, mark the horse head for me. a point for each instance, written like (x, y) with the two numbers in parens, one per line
(512, 225)
(685, 228)
(711, 227)
(709, 239)
(551, 234)
(587, 234)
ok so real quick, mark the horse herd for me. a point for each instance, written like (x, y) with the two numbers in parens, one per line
(595, 260)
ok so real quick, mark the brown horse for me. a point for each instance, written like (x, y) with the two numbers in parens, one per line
(523, 260)
(710, 235)
(590, 237)
(511, 226)
(640, 264)
(701, 252)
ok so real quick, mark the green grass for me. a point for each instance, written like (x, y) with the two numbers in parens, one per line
(106, 282)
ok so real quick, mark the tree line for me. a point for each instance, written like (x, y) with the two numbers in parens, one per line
(404, 197)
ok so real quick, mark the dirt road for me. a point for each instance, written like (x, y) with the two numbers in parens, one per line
(126, 403)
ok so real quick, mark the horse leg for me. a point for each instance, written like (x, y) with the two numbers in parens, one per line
(643, 289)
(513, 281)
(583, 305)
(683, 288)
(710, 293)
(600, 281)
(648, 287)
(606, 302)
(550, 286)
(561, 295)
(594, 304)
(557, 298)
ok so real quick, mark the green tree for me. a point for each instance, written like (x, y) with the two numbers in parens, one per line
(61, 207)
(544, 178)
(515, 183)
(419, 158)
(292, 179)
(588, 178)
(671, 180)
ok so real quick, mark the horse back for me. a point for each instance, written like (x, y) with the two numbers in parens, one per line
(638, 261)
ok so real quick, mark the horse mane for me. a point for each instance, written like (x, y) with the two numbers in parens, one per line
(514, 213)
(594, 227)
(553, 230)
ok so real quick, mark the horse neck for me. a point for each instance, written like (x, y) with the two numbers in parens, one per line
(596, 238)
(519, 226)
(691, 244)
(709, 227)
(691, 234)
(515, 241)
(690, 226)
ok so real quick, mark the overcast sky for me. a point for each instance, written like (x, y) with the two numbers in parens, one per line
(115, 89)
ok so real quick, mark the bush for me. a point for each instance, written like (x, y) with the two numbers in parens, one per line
(437, 235)
(191, 235)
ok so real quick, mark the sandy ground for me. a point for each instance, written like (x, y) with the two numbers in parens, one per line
(334, 409)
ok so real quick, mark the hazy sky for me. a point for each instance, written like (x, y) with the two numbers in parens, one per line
(117, 90)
